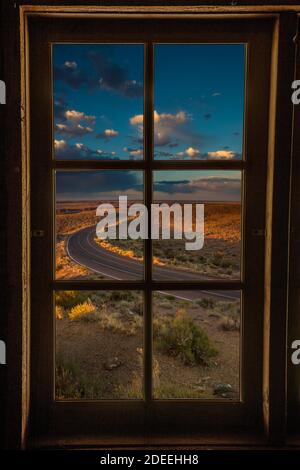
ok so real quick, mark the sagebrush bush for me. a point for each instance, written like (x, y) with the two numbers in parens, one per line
(117, 295)
(71, 382)
(114, 321)
(181, 337)
(85, 311)
(229, 323)
(206, 302)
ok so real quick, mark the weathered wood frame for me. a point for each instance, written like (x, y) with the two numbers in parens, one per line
(15, 141)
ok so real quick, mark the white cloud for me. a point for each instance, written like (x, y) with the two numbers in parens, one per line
(189, 152)
(192, 152)
(73, 130)
(79, 146)
(111, 132)
(137, 119)
(71, 65)
(76, 116)
(79, 151)
(72, 125)
(166, 126)
(107, 134)
(164, 118)
(222, 154)
(59, 144)
(134, 152)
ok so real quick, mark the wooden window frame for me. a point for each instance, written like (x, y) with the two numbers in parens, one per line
(15, 144)
(50, 416)
(293, 327)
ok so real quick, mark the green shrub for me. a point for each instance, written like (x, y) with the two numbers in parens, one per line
(118, 295)
(181, 337)
(206, 302)
(72, 383)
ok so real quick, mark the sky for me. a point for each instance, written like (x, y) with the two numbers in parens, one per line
(198, 114)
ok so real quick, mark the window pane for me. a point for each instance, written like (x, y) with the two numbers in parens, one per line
(196, 344)
(98, 101)
(199, 101)
(219, 254)
(80, 253)
(99, 345)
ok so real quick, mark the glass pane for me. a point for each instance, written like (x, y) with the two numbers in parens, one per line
(80, 251)
(199, 101)
(99, 345)
(196, 344)
(98, 101)
(215, 253)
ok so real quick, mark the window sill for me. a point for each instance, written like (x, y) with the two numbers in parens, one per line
(197, 442)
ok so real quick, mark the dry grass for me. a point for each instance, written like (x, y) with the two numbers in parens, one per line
(85, 312)
(229, 323)
(65, 267)
(115, 321)
(130, 248)
(114, 311)
(67, 224)
(223, 221)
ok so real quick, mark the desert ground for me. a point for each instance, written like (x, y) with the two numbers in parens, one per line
(99, 334)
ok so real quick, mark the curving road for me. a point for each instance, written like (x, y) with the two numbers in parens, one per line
(84, 250)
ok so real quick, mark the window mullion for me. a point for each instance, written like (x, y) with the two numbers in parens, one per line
(148, 150)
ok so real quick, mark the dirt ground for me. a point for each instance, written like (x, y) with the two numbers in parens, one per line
(114, 359)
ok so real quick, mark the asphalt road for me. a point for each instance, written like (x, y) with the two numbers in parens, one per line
(82, 248)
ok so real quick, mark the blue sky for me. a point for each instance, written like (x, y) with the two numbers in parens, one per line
(198, 101)
(206, 82)
(103, 86)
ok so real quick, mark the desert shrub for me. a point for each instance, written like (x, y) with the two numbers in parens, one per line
(138, 307)
(118, 295)
(165, 391)
(171, 298)
(132, 390)
(166, 305)
(72, 383)
(69, 298)
(225, 264)
(181, 337)
(124, 301)
(230, 323)
(181, 257)
(206, 302)
(85, 311)
(114, 321)
(229, 307)
(217, 258)
(59, 312)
